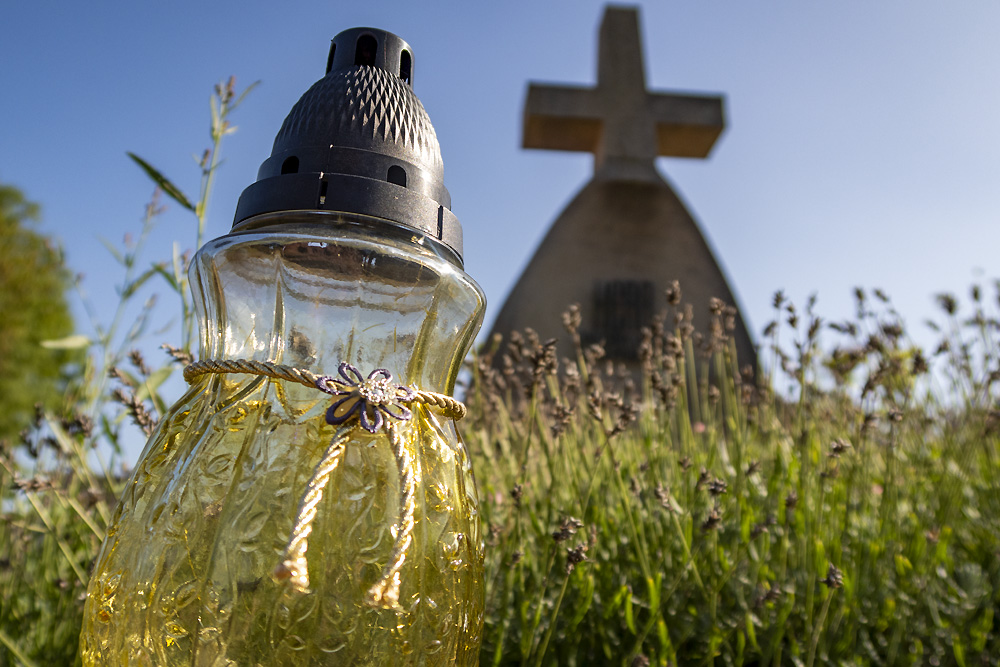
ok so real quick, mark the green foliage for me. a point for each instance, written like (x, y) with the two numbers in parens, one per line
(61, 479)
(671, 521)
(33, 309)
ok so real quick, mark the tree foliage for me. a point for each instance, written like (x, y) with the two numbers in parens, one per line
(33, 308)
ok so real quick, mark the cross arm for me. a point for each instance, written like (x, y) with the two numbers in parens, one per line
(686, 125)
(562, 118)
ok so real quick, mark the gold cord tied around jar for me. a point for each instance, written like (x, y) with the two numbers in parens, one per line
(374, 403)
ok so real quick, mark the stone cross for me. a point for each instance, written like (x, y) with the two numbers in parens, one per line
(619, 121)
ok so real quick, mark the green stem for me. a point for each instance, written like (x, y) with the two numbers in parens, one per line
(688, 555)
(552, 623)
(63, 547)
(12, 647)
(537, 619)
(637, 537)
(818, 629)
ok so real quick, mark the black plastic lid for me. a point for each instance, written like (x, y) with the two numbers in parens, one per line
(359, 141)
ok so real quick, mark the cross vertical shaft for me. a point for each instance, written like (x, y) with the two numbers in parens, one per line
(619, 121)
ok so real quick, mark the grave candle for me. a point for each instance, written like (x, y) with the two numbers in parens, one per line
(309, 501)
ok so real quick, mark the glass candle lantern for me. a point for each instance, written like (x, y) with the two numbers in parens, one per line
(309, 501)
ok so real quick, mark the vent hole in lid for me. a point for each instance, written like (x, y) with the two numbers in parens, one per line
(329, 60)
(405, 66)
(290, 165)
(366, 50)
(396, 175)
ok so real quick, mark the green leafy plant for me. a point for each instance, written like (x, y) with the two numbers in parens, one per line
(60, 480)
(666, 519)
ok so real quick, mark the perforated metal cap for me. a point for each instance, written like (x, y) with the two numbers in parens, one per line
(359, 141)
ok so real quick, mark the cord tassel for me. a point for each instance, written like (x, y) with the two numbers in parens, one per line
(294, 567)
(384, 593)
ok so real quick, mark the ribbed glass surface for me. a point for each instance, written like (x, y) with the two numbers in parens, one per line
(186, 574)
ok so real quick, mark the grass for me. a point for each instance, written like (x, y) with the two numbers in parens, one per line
(675, 521)
(687, 515)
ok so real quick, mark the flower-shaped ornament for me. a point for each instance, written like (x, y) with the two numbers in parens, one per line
(371, 400)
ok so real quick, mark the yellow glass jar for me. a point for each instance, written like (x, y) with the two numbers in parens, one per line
(194, 570)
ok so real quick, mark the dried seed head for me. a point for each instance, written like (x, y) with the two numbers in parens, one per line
(567, 529)
(870, 421)
(703, 478)
(35, 484)
(717, 487)
(593, 354)
(647, 352)
(713, 520)
(838, 447)
(747, 395)
(892, 330)
(674, 347)
(571, 319)
(135, 356)
(116, 373)
(674, 293)
(766, 595)
(814, 326)
(575, 556)
(662, 494)
(791, 500)
(834, 577)
(627, 414)
(516, 346)
(948, 303)
(136, 409)
(544, 360)
(179, 355)
(516, 494)
(80, 424)
(561, 417)
(594, 405)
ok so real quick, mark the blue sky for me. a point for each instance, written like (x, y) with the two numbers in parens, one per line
(862, 146)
